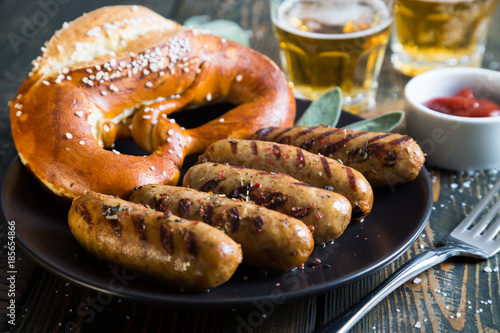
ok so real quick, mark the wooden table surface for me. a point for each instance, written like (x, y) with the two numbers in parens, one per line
(458, 295)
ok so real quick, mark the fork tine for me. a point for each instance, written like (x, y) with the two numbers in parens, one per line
(493, 231)
(479, 207)
(485, 221)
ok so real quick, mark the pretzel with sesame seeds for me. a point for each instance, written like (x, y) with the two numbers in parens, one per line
(122, 71)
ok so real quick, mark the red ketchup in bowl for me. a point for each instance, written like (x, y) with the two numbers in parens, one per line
(464, 104)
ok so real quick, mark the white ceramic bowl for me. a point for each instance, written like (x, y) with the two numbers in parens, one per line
(453, 142)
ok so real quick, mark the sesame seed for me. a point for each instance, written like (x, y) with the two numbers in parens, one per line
(103, 92)
(79, 113)
(418, 324)
(68, 78)
(18, 106)
(171, 120)
(164, 173)
(105, 128)
(153, 167)
(221, 120)
(146, 117)
(186, 69)
(223, 40)
(170, 132)
(19, 96)
(89, 70)
(239, 77)
(209, 97)
(145, 72)
(134, 8)
(69, 136)
(46, 82)
(115, 151)
(189, 139)
(179, 155)
(19, 113)
(417, 280)
(149, 84)
(81, 142)
(60, 48)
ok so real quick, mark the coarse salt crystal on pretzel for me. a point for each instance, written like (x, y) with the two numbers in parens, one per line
(121, 71)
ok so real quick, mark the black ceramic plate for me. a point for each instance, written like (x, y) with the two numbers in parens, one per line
(397, 219)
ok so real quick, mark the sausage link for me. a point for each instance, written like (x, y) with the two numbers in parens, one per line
(316, 170)
(185, 254)
(383, 158)
(269, 240)
(327, 212)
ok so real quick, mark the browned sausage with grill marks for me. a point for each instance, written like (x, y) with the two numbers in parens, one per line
(327, 212)
(314, 169)
(383, 158)
(269, 240)
(178, 252)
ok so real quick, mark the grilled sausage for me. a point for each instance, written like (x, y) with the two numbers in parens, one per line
(327, 212)
(269, 240)
(316, 170)
(182, 253)
(383, 158)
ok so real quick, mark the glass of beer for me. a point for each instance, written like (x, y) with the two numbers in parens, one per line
(430, 34)
(333, 43)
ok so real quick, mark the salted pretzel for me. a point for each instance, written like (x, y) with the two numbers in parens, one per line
(122, 71)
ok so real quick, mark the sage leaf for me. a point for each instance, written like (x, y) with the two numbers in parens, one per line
(325, 110)
(222, 28)
(383, 123)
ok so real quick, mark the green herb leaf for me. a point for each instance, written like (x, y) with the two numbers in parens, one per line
(383, 123)
(325, 110)
(222, 28)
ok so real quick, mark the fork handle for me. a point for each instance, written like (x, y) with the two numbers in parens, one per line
(411, 268)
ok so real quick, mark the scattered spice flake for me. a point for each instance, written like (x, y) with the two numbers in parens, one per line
(417, 280)
(418, 324)
(488, 269)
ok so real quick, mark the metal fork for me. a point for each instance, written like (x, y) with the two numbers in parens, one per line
(478, 240)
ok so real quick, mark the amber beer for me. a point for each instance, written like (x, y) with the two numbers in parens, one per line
(438, 33)
(325, 44)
